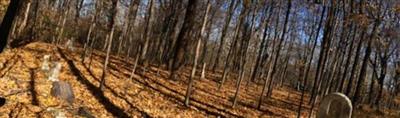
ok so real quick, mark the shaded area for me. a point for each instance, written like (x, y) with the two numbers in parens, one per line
(95, 91)
(207, 106)
(143, 113)
(4, 68)
(178, 96)
(32, 87)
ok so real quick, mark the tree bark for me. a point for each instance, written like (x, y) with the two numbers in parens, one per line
(223, 33)
(25, 19)
(146, 34)
(197, 54)
(7, 23)
(232, 48)
(361, 78)
(276, 56)
(111, 26)
(263, 46)
(182, 41)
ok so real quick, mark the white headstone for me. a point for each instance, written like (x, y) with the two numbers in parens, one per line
(55, 72)
(57, 113)
(45, 64)
(63, 91)
(335, 105)
(70, 45)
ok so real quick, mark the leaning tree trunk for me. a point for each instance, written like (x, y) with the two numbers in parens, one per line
(262, 47)
(246, 37)
(180, 48)
(88, 36)
(323, 51)
(146, 35)
(111, 26)
(362, 75)
(223, 33)
(7, 23)
(355, 63)
(231, 49)
(25, 19)
(347, 63)
(308, 66)
(196, 57)
(276, 56)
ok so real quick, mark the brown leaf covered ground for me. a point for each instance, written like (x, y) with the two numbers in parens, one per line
(147, 95)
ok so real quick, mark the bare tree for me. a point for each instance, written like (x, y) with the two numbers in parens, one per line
(111, 27)
(182, 41)
(272, 68)
(228, 18)
(197, 53)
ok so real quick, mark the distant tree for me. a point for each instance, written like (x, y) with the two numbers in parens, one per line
(325, 46)
(146, 36)
(263, 45)
(274, 64)
(224, 32)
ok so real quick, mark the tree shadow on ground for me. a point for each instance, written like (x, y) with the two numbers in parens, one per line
(147, 82)
(32, 87)
(32, 83)
(11, 62)
(170, 93)
(95, 91)
(117, 64)
(143, 113)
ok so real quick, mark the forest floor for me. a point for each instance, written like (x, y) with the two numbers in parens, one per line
(148, 94)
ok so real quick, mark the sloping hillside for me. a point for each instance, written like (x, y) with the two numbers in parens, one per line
(147, 95)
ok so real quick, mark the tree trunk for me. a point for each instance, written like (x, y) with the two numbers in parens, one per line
(7, 23)
(135, 64)
(25, 20)
(232, 48)
(347, 63)
(354, 67)
(372, 84)
(361, 78)
(263, 46)
(197, 54)
(64, 20)
(146, 34)
(323, 52)
(308, 66)
(111, 26)
(88, 36)
(223, 33)
(244, 45)
(274, 63)
(182, 41)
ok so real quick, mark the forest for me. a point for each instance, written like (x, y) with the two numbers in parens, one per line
(200, 58)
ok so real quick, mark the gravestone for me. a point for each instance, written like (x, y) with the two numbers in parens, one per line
(63, 91)
(55, 71)
(335, 105)
(56, 112)
(70, 45)
(60, 89)
(45, 64)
